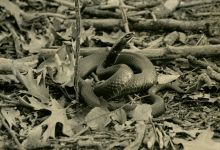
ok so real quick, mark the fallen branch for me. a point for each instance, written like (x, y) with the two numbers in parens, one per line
(157, 53)
(165, 9)
(213, 74)
(150, 24)
(199, 2)
(20, 64)
(203, 64)
(100, 13)
(23, 19)
(141, 5)
(202, 50)
(207, 14)
(166, 52)
(16, 39)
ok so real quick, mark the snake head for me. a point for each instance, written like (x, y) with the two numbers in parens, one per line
(117, 48)
(127, 37)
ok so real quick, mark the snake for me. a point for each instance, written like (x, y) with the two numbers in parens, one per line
(123, 73)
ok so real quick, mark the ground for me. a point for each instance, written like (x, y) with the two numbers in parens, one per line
(41, 43)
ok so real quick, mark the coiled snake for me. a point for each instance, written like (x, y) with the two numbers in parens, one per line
(124, 73)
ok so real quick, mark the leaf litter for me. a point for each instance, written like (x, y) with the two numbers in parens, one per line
(44, 112)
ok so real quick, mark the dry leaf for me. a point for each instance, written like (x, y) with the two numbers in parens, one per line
(38, 41)
(203, 142)
(98, 118)
(177, 129)
(162, 78)
(38, 90)
(10, 114)
(119, 115)
(34, 139)
(142, 112)
(140, 131)
(58, 115)
(61, 63)
(105, 38)
(8, 78)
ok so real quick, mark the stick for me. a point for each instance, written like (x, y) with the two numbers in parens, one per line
(150, 24)
(11, 132)
(78, 28)
(198, 2)
(124, 16)
(157, 53)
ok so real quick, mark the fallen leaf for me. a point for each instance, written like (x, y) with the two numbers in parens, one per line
(119, 115)
(155, 43)
(14, 10)
(33, 103)
(59, 67)
(10, 114)
(8, 78)
(38, 41)
(34, 139)
(58, 115)
(4, 35)
(203, 142)
(140, 131)
(113, 2)
(98, 118)
(182, 37)
(171, 38)
(142, 112)
(109, 39)
(176, 129)
(162, 78)
(33, 86)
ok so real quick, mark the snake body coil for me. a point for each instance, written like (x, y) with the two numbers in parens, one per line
(130, 73)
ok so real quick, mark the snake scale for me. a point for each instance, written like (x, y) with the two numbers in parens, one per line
(123, 72)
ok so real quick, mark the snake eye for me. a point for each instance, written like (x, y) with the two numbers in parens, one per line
(128, 36)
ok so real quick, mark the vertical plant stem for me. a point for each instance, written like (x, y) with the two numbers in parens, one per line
(124, 16)
(77, 52)
(125, 20)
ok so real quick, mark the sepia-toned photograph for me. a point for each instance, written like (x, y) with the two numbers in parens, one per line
(109, 75)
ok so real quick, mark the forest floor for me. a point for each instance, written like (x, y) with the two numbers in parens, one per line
(40, 108)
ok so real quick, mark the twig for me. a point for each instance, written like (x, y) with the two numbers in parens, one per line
(16, 39)
(93, 11)
(170, 52)
(8, 64)
(203, 64)
(125, 20)
(66, 3)
(11, 132)
(49, 14)
(165, 9)
(207, 14)
(124, 16)
(75, 137)
(198, 2)
(7, 105)
(7, 99)
(165, 135)
(113, 6)
(143, 4)
(150, 24)
(213, 74)
(78, 32)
